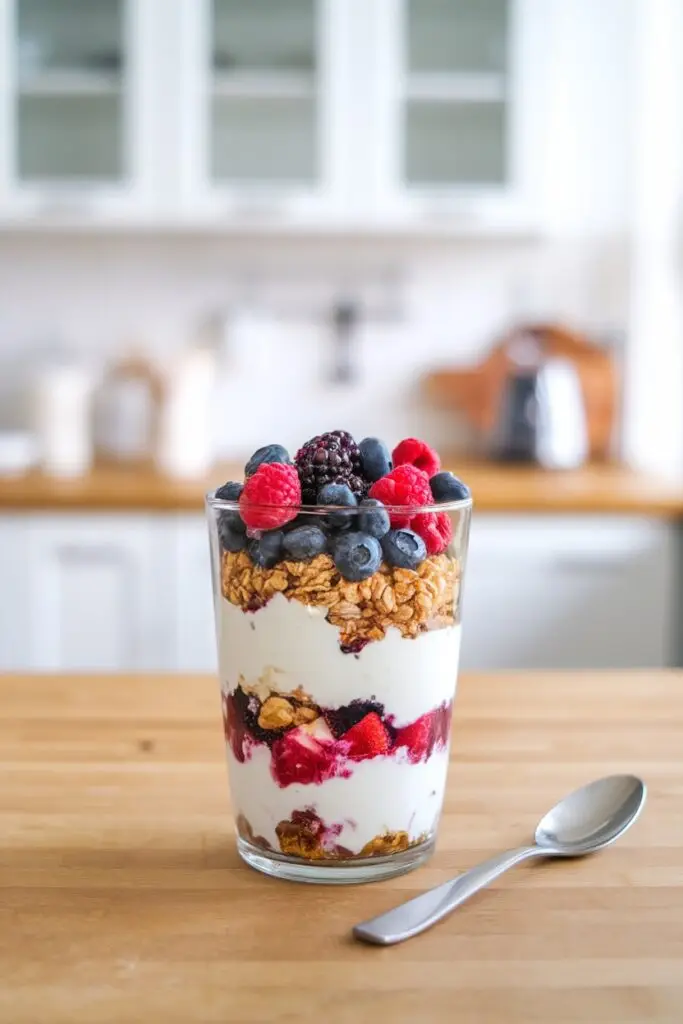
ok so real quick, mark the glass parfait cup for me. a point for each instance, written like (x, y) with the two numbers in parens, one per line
(336, 692)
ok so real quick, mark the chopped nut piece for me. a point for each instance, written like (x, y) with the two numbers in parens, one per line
(276, 713)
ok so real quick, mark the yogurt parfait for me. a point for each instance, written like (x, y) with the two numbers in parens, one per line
(337, 583)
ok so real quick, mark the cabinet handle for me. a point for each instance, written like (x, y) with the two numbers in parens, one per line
(58, 206)
(89, 555)
(261, 210)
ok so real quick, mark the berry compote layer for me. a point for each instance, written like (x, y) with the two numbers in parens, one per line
(339, 639)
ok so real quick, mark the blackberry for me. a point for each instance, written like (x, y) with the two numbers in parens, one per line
(340, 720)
(332, 458)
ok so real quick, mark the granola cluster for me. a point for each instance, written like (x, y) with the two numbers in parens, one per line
(411, 600)
(299, 838)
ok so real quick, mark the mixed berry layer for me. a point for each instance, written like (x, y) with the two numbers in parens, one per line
(304, 834)
(310, 744)
(377, 532)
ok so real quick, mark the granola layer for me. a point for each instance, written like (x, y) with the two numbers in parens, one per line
(305, 836)
(411, 600)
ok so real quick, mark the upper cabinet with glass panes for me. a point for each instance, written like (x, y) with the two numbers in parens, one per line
(71, 103)
(367, 115)
(260, 117)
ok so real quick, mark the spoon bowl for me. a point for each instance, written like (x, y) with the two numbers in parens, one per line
(585, 821)
(592, 817)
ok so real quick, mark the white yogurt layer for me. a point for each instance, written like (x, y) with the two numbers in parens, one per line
(287, 644)
(383, 794)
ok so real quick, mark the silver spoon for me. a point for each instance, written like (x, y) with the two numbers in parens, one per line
(585, 821)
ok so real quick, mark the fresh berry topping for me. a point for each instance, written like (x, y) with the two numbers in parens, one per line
(375, 458)
(357, 555)
(269, 453)
(436, 530)
(413, 452)
(306, 755)
(405, 485)
(446, 487)
(417, 738)
(340, 720)
(373, 518)
(404, 549)
(270, 497)
(305, 542)
(229, 492)
(266, 550)
(368, 738)
(329, 458)
(338, 494)
(231, 531)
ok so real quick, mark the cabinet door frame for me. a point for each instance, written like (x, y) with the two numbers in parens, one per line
(86, 201)
(141, 542)
(513, 206)
(274, 204)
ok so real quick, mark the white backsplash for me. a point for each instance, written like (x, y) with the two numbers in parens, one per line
(448, 302)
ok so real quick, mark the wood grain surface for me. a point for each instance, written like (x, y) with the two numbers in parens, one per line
(122, 898)
(496, 488)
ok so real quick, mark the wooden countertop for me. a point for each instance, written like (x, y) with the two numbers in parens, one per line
(122, 897)
(593, 489)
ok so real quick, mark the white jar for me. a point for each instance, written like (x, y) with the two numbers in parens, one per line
(63, 405)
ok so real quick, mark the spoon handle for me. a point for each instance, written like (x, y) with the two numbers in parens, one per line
(423, 911)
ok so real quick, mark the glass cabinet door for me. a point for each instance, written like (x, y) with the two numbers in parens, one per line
(455, 104)
(69, 96)
(263, 94)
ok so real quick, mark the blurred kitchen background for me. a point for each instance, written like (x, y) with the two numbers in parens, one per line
(225, 223)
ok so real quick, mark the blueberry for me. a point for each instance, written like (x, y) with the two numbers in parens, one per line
(231, 531)
(338, 494)
(305, 542)
(446, 487)
(373, 518)
(266, 550)
(229, 492)
(404, 549)
(375, 458)
(357, 555)
(269, 453)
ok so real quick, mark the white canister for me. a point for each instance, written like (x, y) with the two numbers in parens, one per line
(186, 447)
(63, 407)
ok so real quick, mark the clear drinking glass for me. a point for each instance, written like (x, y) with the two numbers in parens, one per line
(337, 696)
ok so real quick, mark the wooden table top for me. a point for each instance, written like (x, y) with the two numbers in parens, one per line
(122, 897)
(496, 488)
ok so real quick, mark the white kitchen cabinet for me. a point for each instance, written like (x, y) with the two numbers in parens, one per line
(14, 595)
(458, 113)
(575, 592)
(77, 108)
(281, 115)
(100, 593)
(193, 626)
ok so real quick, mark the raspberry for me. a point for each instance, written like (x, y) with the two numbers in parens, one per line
(405, 485)
(271, 497)
(413, 452)
(367, 738)
(436, 530)
(332, 458)
(418, 738)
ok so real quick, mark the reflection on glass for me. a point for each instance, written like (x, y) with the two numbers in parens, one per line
(257, 140)
(457, 35)
(269, 34)
(449, 144)
(83, 34)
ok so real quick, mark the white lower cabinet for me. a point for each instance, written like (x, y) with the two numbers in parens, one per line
(569, 592)
(133, 593)
(194, 633)
(99, 593)
(15, 644)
